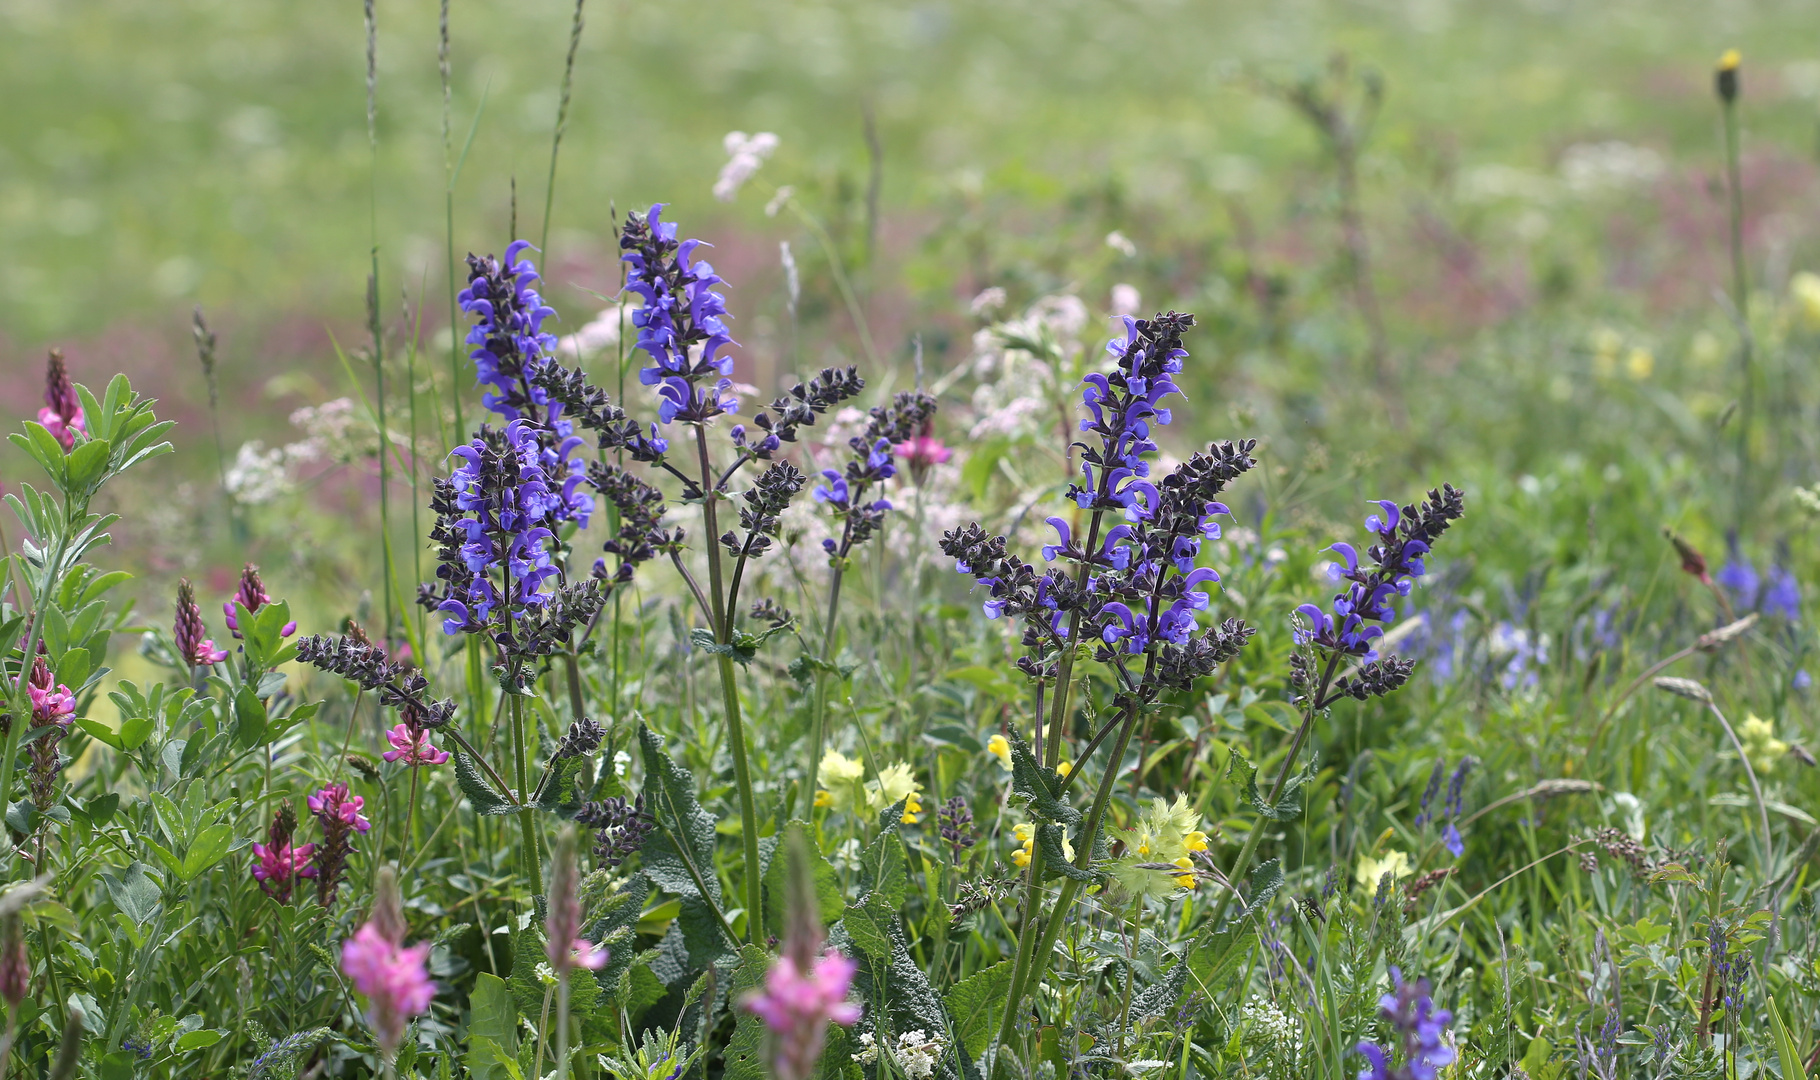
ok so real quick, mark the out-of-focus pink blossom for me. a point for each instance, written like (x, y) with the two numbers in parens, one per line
(923, 451)
(413, 748)
(393, 978)
(798, 1005)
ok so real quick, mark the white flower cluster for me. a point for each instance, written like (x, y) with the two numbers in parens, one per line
(1268, 1028)
(745, 153)
(915, 1054)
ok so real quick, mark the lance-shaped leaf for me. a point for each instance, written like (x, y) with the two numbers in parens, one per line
(1245, 776)
(1055, 857)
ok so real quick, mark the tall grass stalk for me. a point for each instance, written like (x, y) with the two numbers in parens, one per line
(1728, 90)
(373, 320)
(562, 121)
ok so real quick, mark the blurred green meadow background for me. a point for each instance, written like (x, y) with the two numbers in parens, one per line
(1542, 192)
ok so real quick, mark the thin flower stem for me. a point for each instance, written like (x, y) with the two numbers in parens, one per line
(729, 689)
(526, 816)
(1740, 301)
(562, 1009)
(562, 121)
(1242, 864)
(818, 722)
(1064, 672)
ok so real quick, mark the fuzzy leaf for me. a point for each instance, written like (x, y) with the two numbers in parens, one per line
(482, 795)
(1041, 788)
(1245, 776)
(977, 1003)
(829, 901)
(680, 849)
(1055, 857)
(559, 795)
(745, 1054)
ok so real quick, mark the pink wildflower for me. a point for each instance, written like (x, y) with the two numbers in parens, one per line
(196, 650)
(252, 596)
(413, 748)
(334, 804)
(52, 702)
(923, 450)
(803, 992)
(562, 925)
(798, 1005)
(62, 412)
(392, 977)
(279, 864)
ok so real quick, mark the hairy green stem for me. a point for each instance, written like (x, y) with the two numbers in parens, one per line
(527, 821)
(729, 690)
(819, 716)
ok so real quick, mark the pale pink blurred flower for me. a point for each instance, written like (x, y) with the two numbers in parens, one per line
(392, 977)
(745, 153)
(988, 301)
(798, 1005)
(1126, 300)
(804, 992)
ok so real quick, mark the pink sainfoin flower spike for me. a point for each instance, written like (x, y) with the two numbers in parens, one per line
(62, 412)
(196, 650)
(252, 596)
(339, 815)
(390, 973)
(52, 702)
(562, 927)
(413, 747)
(333, 803)
(281, 864)
(805, 990)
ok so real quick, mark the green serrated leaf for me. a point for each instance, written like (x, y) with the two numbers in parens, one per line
(1041, 788)
(829, 900)
(1245, 776)
(481, 794)
(745, 1053)
(977, 1003)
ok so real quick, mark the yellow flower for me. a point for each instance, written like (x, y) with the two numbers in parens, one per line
(912, 807)
(1064, 768)
(1639, 363)
(1163, 833)
(1025, 835)
(1186, 881)
(1606, 343)
(1804, 288)
(894, 782)
(1026, 838)
(1729, 60)
(1000, 747)
(1760, 743)
(842, 776)
(1370, 871)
